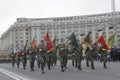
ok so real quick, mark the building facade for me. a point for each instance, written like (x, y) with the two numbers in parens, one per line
(26, 29)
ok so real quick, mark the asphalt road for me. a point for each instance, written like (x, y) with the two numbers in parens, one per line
(7, 72)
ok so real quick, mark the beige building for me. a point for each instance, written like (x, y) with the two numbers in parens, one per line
(25, 29)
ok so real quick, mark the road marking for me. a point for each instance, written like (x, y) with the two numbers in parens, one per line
(12, 75)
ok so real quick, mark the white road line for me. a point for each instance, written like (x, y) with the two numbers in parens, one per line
(12, 75)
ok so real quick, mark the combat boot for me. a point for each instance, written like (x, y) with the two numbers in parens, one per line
(72, 63)
(32, 69)
(92, 66)
(87, 65)
(24, 67)
(79, 67)
(12, 64)
(104, 65)
(62, 69)
(76, 66)
(43, 72)
(49, 69)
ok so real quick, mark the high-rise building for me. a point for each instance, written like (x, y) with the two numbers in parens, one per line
(26, 29)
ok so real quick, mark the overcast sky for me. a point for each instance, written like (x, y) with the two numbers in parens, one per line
(12, 9)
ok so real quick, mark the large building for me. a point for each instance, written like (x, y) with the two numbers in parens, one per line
(26, 29)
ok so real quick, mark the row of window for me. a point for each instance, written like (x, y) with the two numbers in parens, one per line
(75, 22)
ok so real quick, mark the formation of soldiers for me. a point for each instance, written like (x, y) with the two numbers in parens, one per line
(60, 52)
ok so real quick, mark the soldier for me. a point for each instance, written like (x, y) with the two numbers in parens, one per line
(49, 60)
(12, 55)
(53, 56)
(24, 58)
(71, 52)
(62, 55)
(103, 57)
(79, 56)
(42, 52)
(90, 57)
(32, 53)
(38, 57)
(18, 58)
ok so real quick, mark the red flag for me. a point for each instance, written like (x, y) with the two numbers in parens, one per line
(105, 46)
(102, 42)
(34, 45)
(48, 43)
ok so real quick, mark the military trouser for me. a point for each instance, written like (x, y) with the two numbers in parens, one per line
(18, 62)
(62, 63)
(76, 60)
(79, 60)
(32, 60)
(49, 62)
(66, 60)
(104, 59)
(42, 61)
(24, 62)
(91, 59)
(13, 62)
(54, 60)
(38, 61)
(87, 61)
(73, 60)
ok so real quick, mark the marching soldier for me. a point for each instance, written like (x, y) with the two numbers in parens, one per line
(32, 54)
(79, 57)
(49, 60)
(42, 52)
(90, 57)
(12, 55)
(71, 52)
(103, 57)
(38, 57)
(53, 56)
(24, 58)
(62, 55)
(18, 58)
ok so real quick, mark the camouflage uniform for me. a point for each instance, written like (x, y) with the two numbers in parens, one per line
(53, 58)
(90, 57)
(38, 57)
(42, 52)
(24, 58)
(62, 56)
(104, 57)
(18, 59)
(71, 52)
(32, 54)
(12, 55)
(49, 60)
(79, 57)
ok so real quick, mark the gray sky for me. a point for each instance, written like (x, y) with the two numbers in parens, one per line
(12, 9)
